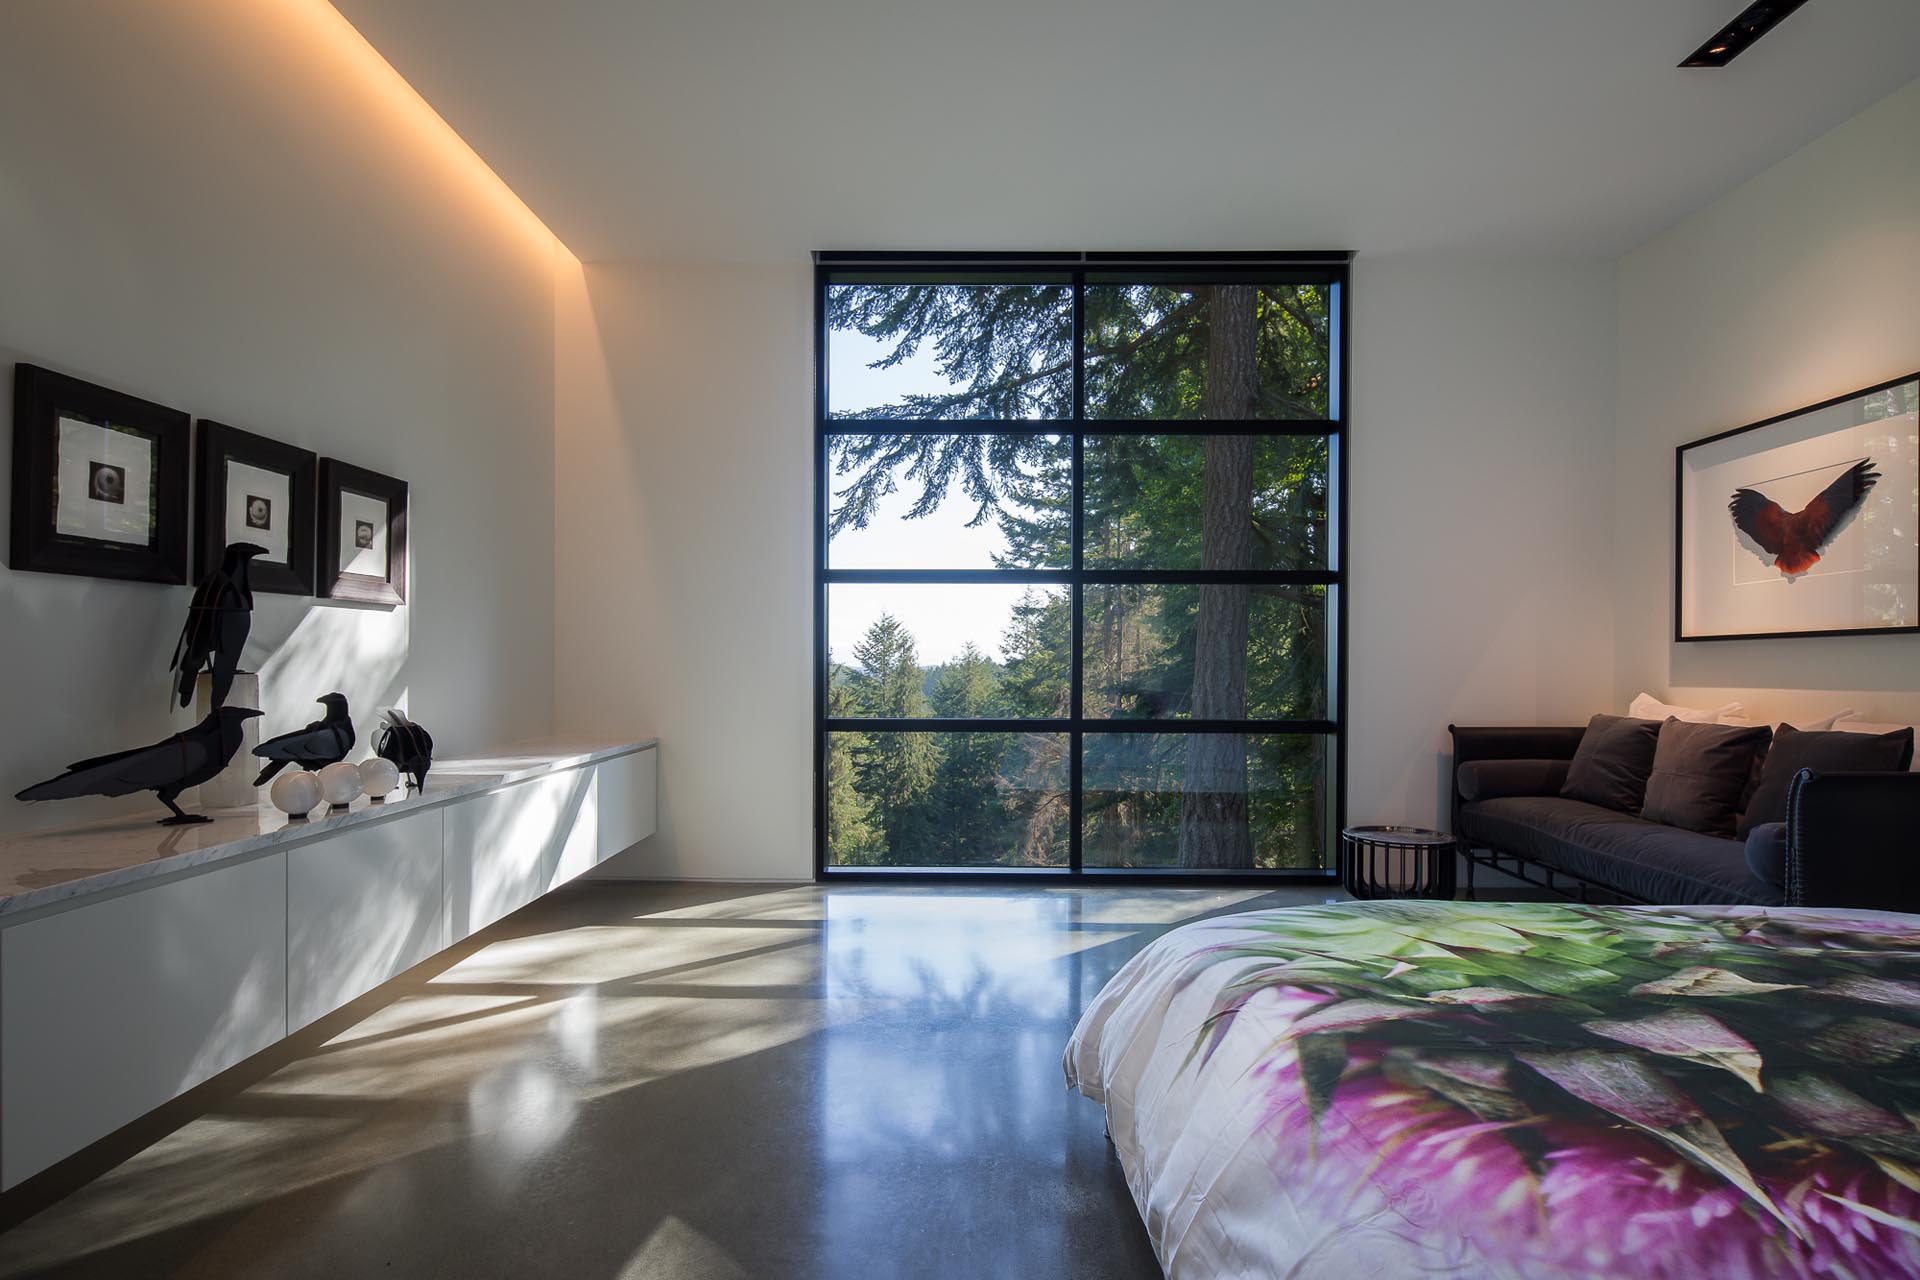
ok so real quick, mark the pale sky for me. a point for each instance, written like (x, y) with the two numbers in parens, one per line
(942, 618)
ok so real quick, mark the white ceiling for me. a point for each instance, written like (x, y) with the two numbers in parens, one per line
(760, 129)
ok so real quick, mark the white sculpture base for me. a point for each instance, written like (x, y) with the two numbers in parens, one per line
(234, 786)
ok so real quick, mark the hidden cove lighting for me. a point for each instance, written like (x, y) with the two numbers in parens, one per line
(1732, 40)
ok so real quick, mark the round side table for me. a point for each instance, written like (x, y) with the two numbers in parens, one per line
(1397, 862)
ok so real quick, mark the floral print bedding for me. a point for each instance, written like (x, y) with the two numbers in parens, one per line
(1426, 1089)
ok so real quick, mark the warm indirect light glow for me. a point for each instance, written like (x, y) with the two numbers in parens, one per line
(325, 29)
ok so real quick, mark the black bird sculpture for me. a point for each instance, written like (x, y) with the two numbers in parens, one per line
(406, 744)
(319, 744)
(218, 621)
(167, 768)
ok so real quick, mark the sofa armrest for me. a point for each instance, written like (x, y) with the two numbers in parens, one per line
(1853, 840)
(1493, 779)
(1501, 742)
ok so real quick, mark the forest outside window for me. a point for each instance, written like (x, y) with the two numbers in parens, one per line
(1079, 582)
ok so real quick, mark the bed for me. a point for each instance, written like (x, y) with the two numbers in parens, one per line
(1533, 1090)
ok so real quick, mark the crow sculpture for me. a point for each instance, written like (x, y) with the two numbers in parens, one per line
(406, 744)
(167, 768)
(319, 744)
(218, 621)
(1795, 540)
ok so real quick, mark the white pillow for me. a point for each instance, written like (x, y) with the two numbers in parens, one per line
(1868, 726)
(1648, 707)
(1805, 726)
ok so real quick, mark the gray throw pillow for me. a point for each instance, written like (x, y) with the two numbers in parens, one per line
(1767, 854)
(1796, 749)
(1700, 774)
(1611, 764)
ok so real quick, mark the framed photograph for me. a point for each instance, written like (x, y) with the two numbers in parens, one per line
(99, 481)
(256, 490)
(363, 535)
(1806, 524)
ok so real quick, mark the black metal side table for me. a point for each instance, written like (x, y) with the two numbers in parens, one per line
(1397, 862)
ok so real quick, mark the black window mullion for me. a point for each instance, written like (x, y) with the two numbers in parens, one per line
(1092, 426)
(1076, 525)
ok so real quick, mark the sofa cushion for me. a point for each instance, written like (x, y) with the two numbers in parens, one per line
(1641, 858)
(1701, 774)
(1794, 750)
(1767, 854)
(1611, 764)
(1489, 779)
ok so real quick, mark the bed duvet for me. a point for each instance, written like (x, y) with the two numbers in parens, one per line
(1518, 1090)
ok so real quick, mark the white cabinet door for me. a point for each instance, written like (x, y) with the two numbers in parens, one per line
(627, 800)
(108, 1010)
(507, 847)
(362, 905)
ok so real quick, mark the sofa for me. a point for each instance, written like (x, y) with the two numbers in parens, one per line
(1849, 839)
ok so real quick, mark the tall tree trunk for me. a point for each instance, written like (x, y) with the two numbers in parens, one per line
(1214, 830)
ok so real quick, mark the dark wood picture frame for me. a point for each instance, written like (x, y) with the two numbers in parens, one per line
(215, 445)
(1680, 635)
(338, 478)
(41, 398)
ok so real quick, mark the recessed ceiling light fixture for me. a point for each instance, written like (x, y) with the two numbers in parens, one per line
(1730, 41)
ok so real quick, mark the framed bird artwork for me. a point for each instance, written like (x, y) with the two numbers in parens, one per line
(99, 481)
(1805, 524)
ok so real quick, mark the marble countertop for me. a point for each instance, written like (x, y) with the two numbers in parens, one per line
(42, 867)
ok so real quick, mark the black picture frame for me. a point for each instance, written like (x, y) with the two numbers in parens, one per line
(1680, 529)
(339, 481)
(215, 445)
(37, 544)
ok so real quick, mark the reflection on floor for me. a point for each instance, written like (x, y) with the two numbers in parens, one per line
(632, 1081)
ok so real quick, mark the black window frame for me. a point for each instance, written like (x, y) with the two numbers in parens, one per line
(1331, 268)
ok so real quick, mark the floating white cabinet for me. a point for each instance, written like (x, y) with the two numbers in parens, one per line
(362, 906)
(628, 800)
(508, 847)
(116, 1001)
(112, 1009)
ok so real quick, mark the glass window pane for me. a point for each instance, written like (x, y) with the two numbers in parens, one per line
(979, 651)
(1146, 498)
(950, 350)
(1264, 655)
(947, 799)
(1208, 351)
(949, 502)
(1207, 801)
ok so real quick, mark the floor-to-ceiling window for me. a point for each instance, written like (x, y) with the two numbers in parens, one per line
(1079, 562)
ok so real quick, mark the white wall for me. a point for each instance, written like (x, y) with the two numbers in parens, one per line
(1482, 508)
(1481, 517)
(1796, 287)
(684, 547)
(234, 208)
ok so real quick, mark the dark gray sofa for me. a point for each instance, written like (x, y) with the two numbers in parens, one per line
(1851, 840)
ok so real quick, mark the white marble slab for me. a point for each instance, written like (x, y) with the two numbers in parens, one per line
(42, 867)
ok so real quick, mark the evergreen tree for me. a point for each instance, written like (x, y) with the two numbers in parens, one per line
(895, 771)
(852, 837)
(972, 819)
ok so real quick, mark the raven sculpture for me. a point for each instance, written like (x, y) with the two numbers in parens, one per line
(406, 744)
(167, 768)
(319, 744)
(218, 621)
(1795, 540)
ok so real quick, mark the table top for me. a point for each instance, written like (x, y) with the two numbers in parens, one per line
(1415, 837)
(42, 867)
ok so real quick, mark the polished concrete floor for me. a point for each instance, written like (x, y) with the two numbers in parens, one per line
(629, 1081)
